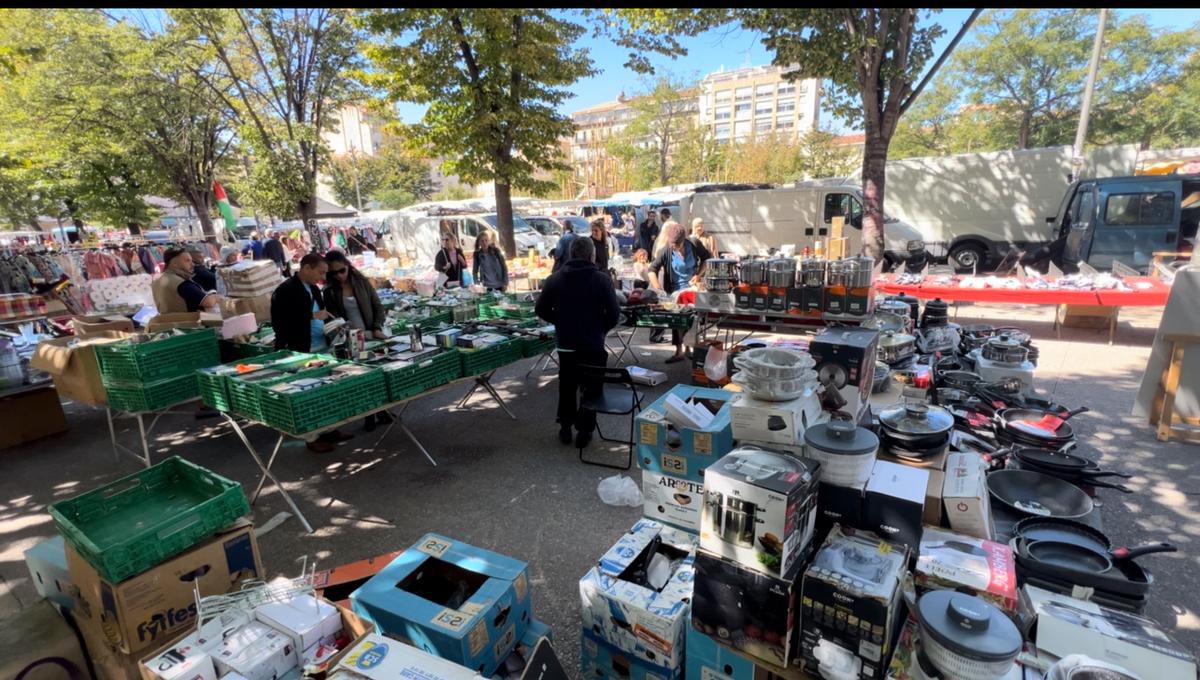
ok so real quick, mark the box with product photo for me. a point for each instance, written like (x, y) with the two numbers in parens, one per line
(463, 603)
(256, 652)
(760, 509)
(745, 609)
(637, 598)
(775, 422)
(149, 609)
(851, 605)
(950, 561)
(376, 657)
(895, 502)
(965, 496)
(845, 360)
(1066, 625)
(933, 499)
(672, 500)
(599, 660)
(684, 431)
(708, 659)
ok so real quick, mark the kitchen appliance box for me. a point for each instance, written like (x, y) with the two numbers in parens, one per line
(451, 599)
(149, 609)
(695, 449)
(637, 619)
(1069, 626)
(895, 502)
(906, 662)
(708, 659)
(986, 569)
(775, 422)
(965, 496)
(839, 505)
(376, 657)
(745, 609)
(850, 597)
(846, 357)
(761, 517)
(672, 501)
(599, 660)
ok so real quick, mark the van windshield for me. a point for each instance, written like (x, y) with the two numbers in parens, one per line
(520, 226)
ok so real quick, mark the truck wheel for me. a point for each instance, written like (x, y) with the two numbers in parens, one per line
(967, 256)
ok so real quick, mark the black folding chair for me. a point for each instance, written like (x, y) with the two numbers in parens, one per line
(618, 397)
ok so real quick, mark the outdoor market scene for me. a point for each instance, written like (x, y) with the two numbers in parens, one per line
(607, 344)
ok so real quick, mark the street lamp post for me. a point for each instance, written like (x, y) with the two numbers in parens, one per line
(1086, 110)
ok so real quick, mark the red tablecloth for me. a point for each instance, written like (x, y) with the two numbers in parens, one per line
(1156, 296)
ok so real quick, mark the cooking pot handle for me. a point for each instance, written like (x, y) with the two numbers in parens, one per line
(1130, 553)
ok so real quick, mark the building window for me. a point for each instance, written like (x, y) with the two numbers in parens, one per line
(762, 126)
(763, 109)
(724, 96)
(722, 132)
(741, 129)
(742, 110)
(765, 90)
(786, 106)
(803, 88)
(744, 94)
(786, 88)
(721, 113)
(784, 123)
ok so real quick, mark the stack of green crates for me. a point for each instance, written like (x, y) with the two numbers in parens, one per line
(246, 391)
(214, 381)
(140, 521)
(405, 380)
(303, 411)
(426, 324)
(485, 359)
(146, 376)
(536, 345)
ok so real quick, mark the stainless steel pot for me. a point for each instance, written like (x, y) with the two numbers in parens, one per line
(781, 277)
(722, 268)
(895, 346)
(719, 284)
(836, 273)
(753, 272)
(732, 518)
(858, 271)
(812, 273)
(1004, 350)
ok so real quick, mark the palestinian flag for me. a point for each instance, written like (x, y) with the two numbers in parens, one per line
(223, 206)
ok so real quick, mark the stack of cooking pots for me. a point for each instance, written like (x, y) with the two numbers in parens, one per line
(937, 313)
(846, 452)
(835, 287)
(914, 306)
(915, 430)
(1077, 470)
(896, 348)
(897, 308)
(966, 638)
(753, 272)
(812, 283)
(720, 275)
(774, 374)
(781, 277)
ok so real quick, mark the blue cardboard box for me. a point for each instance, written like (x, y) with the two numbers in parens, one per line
(684, 452)
(453, 600)
(708, 659)
(599, 660)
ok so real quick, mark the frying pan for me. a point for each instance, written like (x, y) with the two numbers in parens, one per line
(1079, 479)
(1127, 579)
(1061, 530)
(1075, 557)
(1010, 417)
(1035, 493)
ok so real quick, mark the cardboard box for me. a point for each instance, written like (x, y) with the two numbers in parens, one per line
(376, 657)
(47, 564)
(108, 662)
(965, 496)
(307, 620)
(72, 362)
(840, 505)
(256, 652)
(933, 499)
(745, 608)
(777, 422)
(259, 306)
(1069, 626)
(673, 501)
(29, 416)
(668, 448)
(846, 358)
(337, 583)
(760, 509)
(639, 620)
(708, 659)
(895, 502)
(149, 609)
(851, 602)
(37, 644)
(463, 603)
(87, 326)
(949, 561)
(164, 322)
(599, 660)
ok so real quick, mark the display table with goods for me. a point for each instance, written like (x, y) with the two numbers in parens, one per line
(1099, 290)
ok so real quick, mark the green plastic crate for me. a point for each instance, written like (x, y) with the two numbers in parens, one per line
(303, 412)
(433, 372)
(136, 397)
(214, 380)
(477, 361)
(140, 521)
(534, 346)
(171, 357)
(677, 320)
(245, 396)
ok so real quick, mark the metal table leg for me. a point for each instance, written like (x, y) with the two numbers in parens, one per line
(398, 419)
(486, 382)
(267, 472)
(142, 433)
(270, 462)
(112, 434)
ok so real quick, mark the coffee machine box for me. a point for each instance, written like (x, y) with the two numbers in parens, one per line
(599, 660)
(760, 509)
(851, 604)
(744, 609)
(681, 450)
(895, 502)
(709, 659)
(777, 422)
(672, 500)
(845, 359)
(622, 604)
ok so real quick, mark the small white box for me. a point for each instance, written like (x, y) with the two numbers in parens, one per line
(47, 564)
(191, 658)
(965, 496)
(307, 620)
(672, 500)
(684, 414)
(776, 422)
(269, 657)
(378, 658)
(645, 376)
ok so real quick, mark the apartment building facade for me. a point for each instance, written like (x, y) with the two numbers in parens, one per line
(756, 101)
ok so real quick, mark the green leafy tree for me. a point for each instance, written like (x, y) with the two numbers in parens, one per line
(662, 117)
(495, 81)
(699, 157)
(393, 171)
(818, 156)
(454, 192)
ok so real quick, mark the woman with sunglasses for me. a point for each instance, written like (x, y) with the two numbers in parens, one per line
(349, 295)
(450, 260)
(489, 268)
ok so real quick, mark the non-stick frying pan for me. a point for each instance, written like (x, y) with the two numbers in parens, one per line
(1011, 420)
(1072, 556)
(1128, 578)
(1035, 493)
(1061, 530)
(1078, 479)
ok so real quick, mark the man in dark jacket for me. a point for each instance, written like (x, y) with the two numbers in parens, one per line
(581, 303)
(647, 234)
(273, 250)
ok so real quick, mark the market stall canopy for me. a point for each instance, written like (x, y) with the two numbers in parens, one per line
(327, 210)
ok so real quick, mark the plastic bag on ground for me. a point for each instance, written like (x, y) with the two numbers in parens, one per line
(716, 364)
(620, 490)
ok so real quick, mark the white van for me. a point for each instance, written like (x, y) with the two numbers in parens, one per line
(750, 222)
(419, 235)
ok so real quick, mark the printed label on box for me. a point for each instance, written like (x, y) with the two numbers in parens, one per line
(520, 585)
(451, 619)
(504, 645)
(471, 608)
(478, 638)
(649, 434)
(652, 637)
(702, 443)
(434, 548)
(674, 465)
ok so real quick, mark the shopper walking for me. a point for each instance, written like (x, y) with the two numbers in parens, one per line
(680, 265)
(254, 248)
(298, 317)
(349, 295)
(581, 303)
(174, 290)
(600, 242)
(647, 233)
(273, 250)
(489, 268)
(562, 249)
(450, 260)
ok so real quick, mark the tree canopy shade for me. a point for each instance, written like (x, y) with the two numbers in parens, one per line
(393, 178)
(494, 80)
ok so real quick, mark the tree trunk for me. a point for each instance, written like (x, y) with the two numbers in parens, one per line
(134, 228)
(201, 204)
(308, 213)
(1026, 123)
(874, 172)
(504, 218)
(662, 166)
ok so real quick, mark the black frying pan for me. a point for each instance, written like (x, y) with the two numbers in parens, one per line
(1013, 419)
(1076, 557)
(1061, 530)
(1078, 479)
(1038, 494)
(1128, 579)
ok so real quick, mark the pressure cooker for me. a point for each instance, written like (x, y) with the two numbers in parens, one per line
(753, 272)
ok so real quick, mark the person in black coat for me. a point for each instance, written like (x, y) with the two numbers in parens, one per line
(581, 303)
(450, 260)
(600, 243)
(647, 234)
(273, 250)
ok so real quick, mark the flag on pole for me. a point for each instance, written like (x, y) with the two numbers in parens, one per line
(223, 206)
